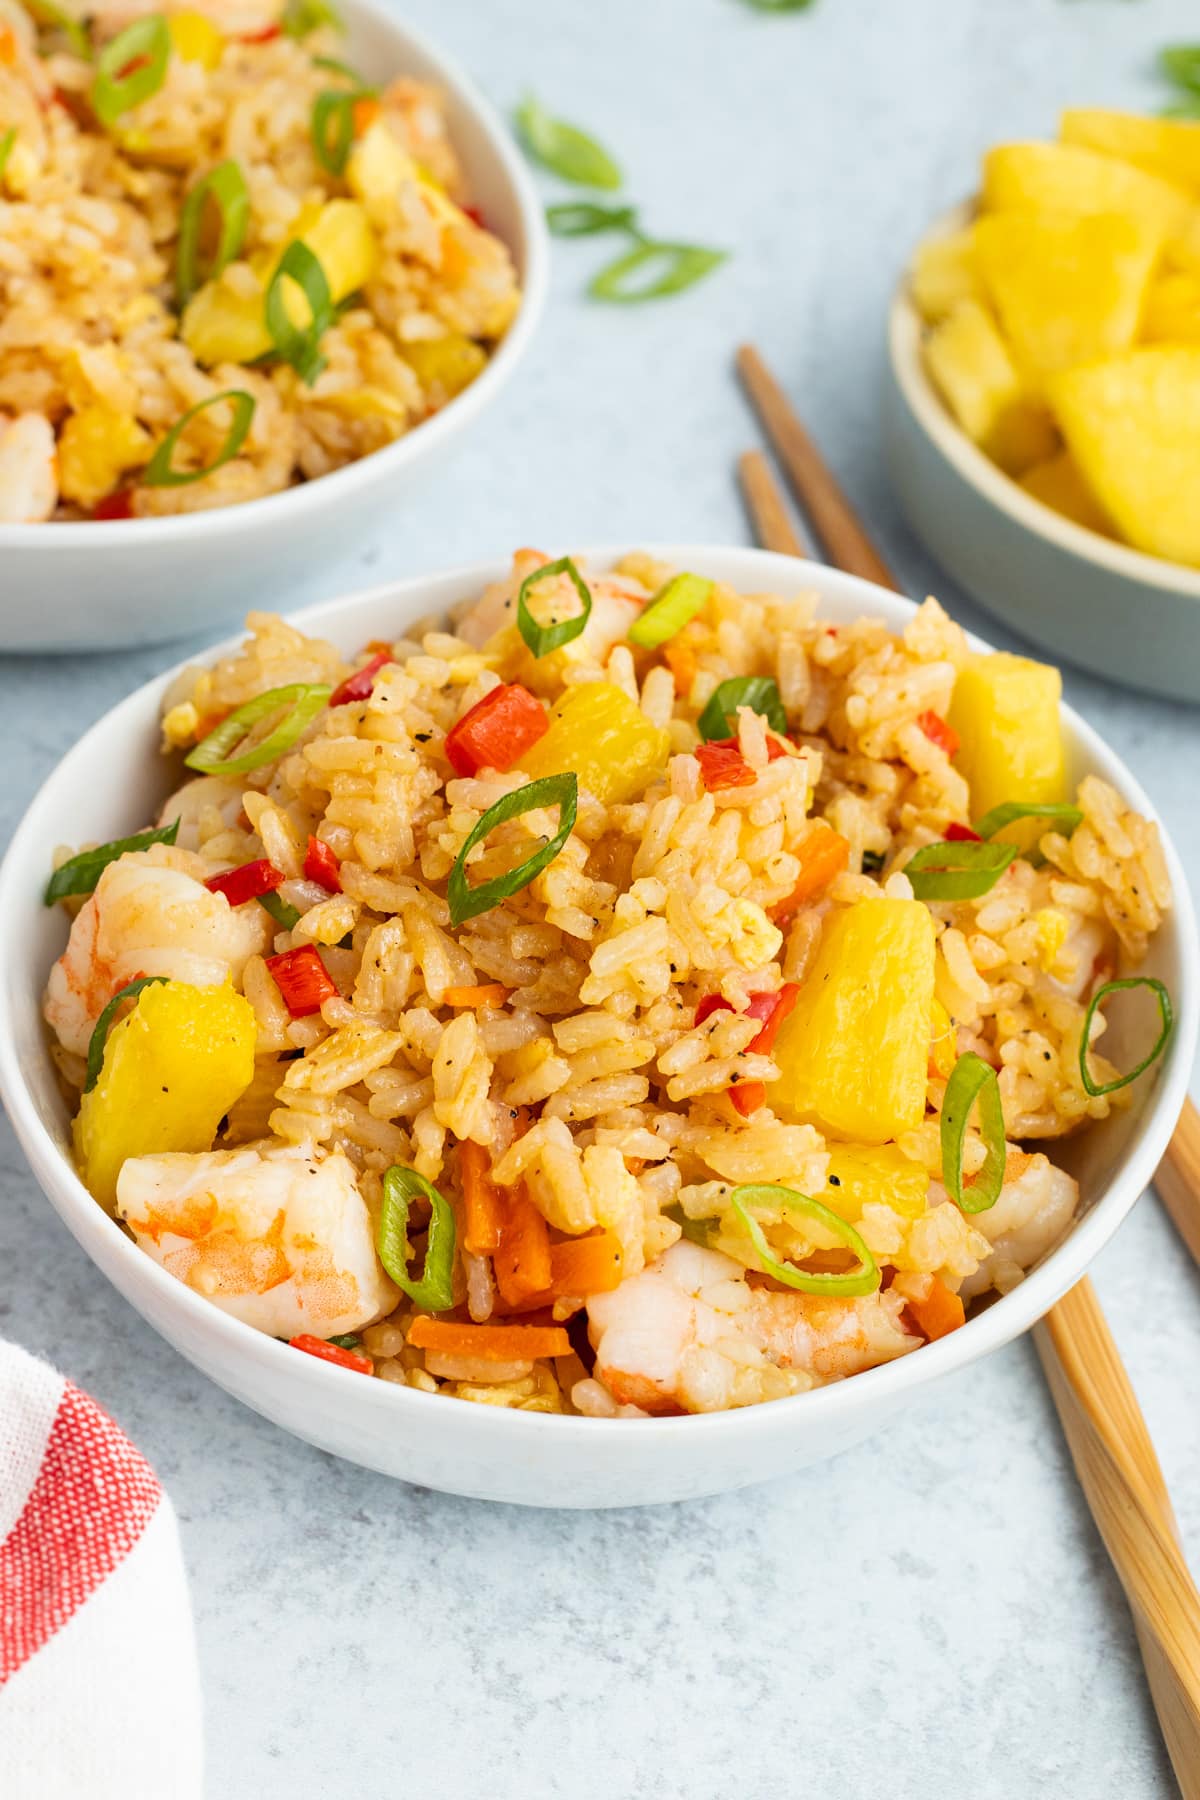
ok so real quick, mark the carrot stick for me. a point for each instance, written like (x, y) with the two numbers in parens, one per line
(483, 1208)
(522, 1262)
(489, 1343)
(823, 855)
(488, 993)
(940, 1312)
(587, 1265)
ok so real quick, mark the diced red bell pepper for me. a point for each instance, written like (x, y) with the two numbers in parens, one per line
(302, 979)
(711, 1004)
(722, 764)
(247, 882)
(938, 732)
(360, 685)
(772, 1009)
(961, 834)
(262, 36)
(334, 1353)
(117, 505)
(476, 217)
(322, 865)
(497, 731)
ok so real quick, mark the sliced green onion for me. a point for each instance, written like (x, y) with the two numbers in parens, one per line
(1068, 817)
(99, 1037)
(435, 1290)
(131, 68)
(758, 692)
(680, 266)
(159, 472)
(542, 639)
(346, 1340)
(669, 611)
(579, 218)
(1167, 1022)
(334, 107)
(466, 902)
(226, 187)
(301, 17)
(1180, 63)
(296, 345)
(1187, 108)
(285, 916)
(303, 700)
(6, 144)
(80, 874)
(958, 871)
(336, 66)
(697, 1231)
(863, 1280)
(972, 1079)
(779, 6)
(570, 152)
(56, 18)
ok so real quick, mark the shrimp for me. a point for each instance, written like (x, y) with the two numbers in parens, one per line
(690, 1333)
(280, 1238)
(615, 605)
(1037, 1202)
(150, 915)
(28, 469)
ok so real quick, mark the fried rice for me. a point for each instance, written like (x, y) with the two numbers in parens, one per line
(653, 1184)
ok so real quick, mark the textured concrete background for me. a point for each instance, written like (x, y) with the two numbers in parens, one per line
(931, 1615)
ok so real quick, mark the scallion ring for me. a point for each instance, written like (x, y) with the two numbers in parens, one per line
(863, 1280)
(300, 346)
(99, 1037)
(226, 187)
(56, 18)
(466, 902)
(758, 692)
(131, 68)
(80, 874)
(542, 639)
(1180, 63)
(1068, 818)
(565, 149)
(680, 266)
(435, 1290)
(6, 143)
(332, 125)
(336, 66)
(669, 611)
(301, 17)
(958, 871)
(285, 916)
(973, 1080)
(159, 472)
(303, 701)
(579, 218)
(346, 1340)
(1166, 1015)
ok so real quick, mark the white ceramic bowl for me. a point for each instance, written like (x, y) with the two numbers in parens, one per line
(110, 586)
(1085, 598)
(480, 1450)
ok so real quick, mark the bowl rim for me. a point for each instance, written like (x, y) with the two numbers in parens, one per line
(905, 330)
(270, 510)
(390, 1404)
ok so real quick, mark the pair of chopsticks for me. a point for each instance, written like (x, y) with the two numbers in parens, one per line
(1102, 1422)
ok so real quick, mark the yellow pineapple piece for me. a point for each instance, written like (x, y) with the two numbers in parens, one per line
(376, 167)
(1007, 711)
(1065, 178)
(1059, 485)
(1172, 314)
(874, 1175)
(96, 446)
(172, 1069)
(1130, 423)
(195, 38)
(445, 366)
(977, 378)
(1066, 290)
(943, 273)
(1168, 148)
(853, 1055)
(596, 730)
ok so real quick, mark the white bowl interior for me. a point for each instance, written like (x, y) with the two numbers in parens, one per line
(480, 1450)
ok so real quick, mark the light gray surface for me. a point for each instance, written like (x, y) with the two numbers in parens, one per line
(932, 1615)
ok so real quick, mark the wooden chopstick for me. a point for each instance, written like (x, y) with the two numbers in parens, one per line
(766, 505)
(1103, 1424)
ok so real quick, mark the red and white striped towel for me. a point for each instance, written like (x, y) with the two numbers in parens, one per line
(99, 1694)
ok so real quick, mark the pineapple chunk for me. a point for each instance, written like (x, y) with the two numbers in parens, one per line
(874, 1175)
(1007, 712)
(597, 730)
(979, 382)
(1059, 485)
(195, 38)
(1131, 426)
(1168, 148)
(1067, 290)
(1172, 314)
(445, 366)
(943, 273)
(1063, 178)
(96, 446)
(853, 1054)
(172, 1070)
(376, 167)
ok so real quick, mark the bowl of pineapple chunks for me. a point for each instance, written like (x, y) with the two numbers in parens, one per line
(1043, 390)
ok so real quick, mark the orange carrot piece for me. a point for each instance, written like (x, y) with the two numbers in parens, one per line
(824, 854)
(489, 1343)
(587, 1265)
(483, 1208)
(940, 1312)
(522, 1263)
(364, 114)
(682, 663)
(488, 993)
